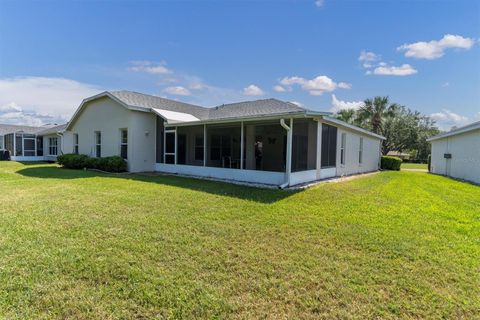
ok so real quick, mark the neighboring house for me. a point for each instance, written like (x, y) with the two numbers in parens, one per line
(265, 141)
(401, 155)
(457, 153)
(27, 143)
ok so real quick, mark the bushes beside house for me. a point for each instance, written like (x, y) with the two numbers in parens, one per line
(391, 163)
(80, 161)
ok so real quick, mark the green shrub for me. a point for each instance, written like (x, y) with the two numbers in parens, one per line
(73, 161)
(80, 161)
(391, 163)
(113, 164)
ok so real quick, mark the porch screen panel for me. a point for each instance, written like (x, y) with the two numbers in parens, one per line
(18, 145)
(304, 145)
(329, 146)
(223, 146)
(159, 145)
(39, 146)
(8, 140)
(29, 145)
(170, 147)
(265, 146)
(190, 145)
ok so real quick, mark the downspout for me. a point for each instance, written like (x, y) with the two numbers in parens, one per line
(289, 152)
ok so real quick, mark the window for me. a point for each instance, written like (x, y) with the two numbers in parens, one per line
(75, 143)
(329, 146)
(53, 146)
(199, 147)
(360, 151)
(342, 148)
(1, 142)
(98, 144)
(124, 143)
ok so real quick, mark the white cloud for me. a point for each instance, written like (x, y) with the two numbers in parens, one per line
(149, 67)
(338, 105)
(445, 84)
(447, 119)
(344, 85)
(253, 90)
(279, 88)
(436, 48)
(368, 56)
(403, 70)
(316, 86)
(40, 100)
(177, 91)
(319, 3)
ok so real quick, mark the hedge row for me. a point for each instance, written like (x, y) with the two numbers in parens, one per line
(391, 163)
(81, 161)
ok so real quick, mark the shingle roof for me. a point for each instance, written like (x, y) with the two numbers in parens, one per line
(10, 128)
(253, 108)
(147, 102)
(226, 111)
(52, 130)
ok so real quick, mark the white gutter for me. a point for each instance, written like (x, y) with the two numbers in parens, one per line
(288, 169)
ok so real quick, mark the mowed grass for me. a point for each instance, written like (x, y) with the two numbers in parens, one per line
(83, 245)
(408, 165)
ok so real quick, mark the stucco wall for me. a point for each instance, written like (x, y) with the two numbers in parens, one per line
(371, 153)
(465, 161)
(108, 117)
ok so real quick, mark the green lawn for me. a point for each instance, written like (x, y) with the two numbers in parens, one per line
(82, 245)
(407, 165)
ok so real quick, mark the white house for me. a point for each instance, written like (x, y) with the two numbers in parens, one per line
(27, 143)
(264, 141)
(457, 153)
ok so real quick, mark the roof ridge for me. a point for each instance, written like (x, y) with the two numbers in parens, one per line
(156, 97)
(249, 101)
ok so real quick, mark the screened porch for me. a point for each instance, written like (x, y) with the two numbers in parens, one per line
(257, 151)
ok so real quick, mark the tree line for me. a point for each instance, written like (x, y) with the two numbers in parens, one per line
(405, 130)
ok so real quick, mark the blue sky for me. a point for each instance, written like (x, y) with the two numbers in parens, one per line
(325, 55)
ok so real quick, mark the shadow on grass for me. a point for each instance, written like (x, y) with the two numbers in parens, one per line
(212, 187)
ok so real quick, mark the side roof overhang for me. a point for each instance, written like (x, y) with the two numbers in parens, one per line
(80, 109)
(468, 128)
(352, 127)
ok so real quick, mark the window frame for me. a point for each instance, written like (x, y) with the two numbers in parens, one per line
(98, 145)
(124, 143)
(75, 143)
(360, 151)
(52, 146)
(343, 148)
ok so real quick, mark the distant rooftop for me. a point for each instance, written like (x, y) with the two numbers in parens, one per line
(41, 130)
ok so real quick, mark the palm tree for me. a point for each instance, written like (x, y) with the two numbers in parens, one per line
(374, 111)
(347, 115)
